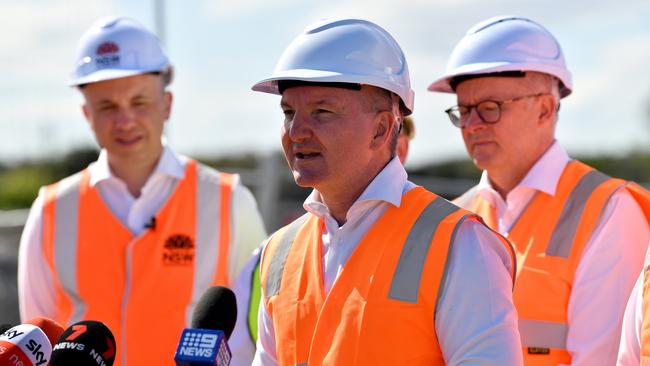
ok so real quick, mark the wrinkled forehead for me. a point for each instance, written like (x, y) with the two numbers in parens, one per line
(492, 86)
(324, 94)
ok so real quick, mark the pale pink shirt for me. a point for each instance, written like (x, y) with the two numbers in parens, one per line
(35, 285)
(475, 323)
(629, 352)
(609, 266)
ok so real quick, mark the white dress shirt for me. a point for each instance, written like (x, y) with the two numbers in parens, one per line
(629, 351)
(475, 323)
(36, 288)
(610, 263)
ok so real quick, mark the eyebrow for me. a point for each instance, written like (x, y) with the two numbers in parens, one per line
(323, 101)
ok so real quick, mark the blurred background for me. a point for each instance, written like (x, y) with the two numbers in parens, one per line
(220, 48)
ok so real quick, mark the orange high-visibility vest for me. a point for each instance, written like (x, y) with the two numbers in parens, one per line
(381, 308)
(145, 287)
(549, 238)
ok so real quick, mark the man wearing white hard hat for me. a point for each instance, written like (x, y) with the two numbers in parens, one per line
(379, 271)
(579, 234)
(136, 238)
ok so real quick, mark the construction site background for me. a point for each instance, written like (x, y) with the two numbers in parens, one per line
(279, 199)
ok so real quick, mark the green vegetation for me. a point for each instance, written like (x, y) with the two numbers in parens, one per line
(634, 166)
(19, 184)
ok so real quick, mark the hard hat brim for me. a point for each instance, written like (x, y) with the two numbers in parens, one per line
(102, 75)
(443, 84)
(270, 84)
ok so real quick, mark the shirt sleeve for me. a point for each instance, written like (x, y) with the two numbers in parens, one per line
(629, 350)
(476, 321)
(265, 352)
(248, 230)
(36, 287)
(611, 262)
(240, 342)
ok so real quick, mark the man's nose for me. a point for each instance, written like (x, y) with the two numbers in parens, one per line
(473, 119)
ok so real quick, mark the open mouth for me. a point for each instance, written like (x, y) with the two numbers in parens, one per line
(306, 156)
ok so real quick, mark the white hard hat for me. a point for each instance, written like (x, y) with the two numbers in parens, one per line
(503, 44)
(117, 47)
(344, 51)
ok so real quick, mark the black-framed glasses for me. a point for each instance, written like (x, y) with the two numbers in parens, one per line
(489, 111)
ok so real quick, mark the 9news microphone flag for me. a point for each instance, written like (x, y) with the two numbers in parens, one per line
(213, 321)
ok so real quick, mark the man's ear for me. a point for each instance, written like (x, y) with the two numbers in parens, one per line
(548, 108)
(168, 98)
(384, 123)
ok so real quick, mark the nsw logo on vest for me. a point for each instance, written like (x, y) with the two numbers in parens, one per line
(178, 250)
(107, 54)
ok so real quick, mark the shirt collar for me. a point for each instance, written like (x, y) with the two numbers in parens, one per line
(543, 176)
(169, 164)
(387, 186)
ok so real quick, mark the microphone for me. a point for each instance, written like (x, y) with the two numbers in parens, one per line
(24, 344)
(51, 328)
(213, 321)
(5, 327)
(85, 343)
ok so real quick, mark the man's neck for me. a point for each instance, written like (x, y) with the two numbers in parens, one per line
(339, 199)
(133, 173)
(504, 181)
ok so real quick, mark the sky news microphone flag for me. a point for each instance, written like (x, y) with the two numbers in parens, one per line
(52, 329)
(25, 344)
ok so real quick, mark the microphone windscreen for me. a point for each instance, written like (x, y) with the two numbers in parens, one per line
(216, 309)
(84, 343)
(4, 327)
(51, 328)
(24, 344)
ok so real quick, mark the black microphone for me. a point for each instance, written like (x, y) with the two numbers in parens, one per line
(213, 321)
(86, 343)
(5, 327)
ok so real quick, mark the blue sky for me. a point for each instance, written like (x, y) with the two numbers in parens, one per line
(220, 48)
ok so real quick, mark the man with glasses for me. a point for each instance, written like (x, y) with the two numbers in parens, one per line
(579, 234)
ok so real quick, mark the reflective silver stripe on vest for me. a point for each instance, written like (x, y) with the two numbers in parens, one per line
(65, 242)
(276, 267)
(563, 235)
(408, 274)
(543, 334)
(443, 279)
(208, 227)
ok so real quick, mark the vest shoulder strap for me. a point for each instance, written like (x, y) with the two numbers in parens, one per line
(213, 185)
(279, 255)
